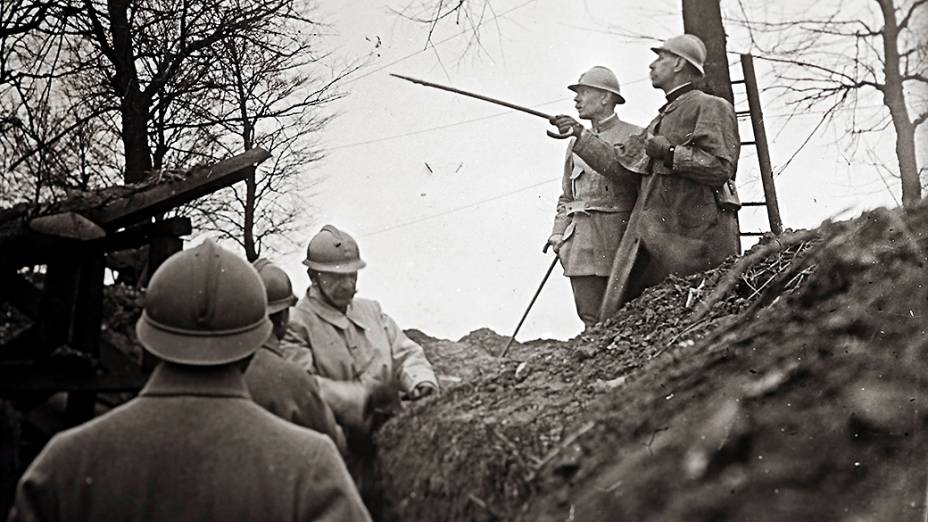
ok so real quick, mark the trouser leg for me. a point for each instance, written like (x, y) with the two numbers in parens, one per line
(588, 296)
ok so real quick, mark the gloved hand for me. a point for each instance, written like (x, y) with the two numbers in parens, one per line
(382, 393)
(567, 125)
(423, 389)
(556, 241)
(658, 148)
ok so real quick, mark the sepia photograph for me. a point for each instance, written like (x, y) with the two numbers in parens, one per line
(463, 260)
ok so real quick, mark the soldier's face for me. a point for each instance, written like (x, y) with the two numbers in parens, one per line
(663, 70)
(589, 102)
(338, 288)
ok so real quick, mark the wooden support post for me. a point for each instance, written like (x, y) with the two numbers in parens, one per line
(87, 319)
(59, 292)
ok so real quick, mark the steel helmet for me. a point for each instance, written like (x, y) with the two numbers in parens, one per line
(332, 250)
(204, 306)
(600, 77)
(686, 46)
(279, 289)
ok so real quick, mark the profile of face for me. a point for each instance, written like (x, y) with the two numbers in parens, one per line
(664, 69)
(339, 289)
(590, 102)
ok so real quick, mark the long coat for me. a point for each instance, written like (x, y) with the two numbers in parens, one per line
(354, 346)
(593, 209)
(191, 446)
(284, 389)
(676, 225)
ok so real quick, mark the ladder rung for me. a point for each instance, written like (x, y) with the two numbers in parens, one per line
(753, 233)
(754, 204)
(736, 82)
(741, 113)
(749, 143)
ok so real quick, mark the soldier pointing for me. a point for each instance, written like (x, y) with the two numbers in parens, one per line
(684, 220)
(594, 208)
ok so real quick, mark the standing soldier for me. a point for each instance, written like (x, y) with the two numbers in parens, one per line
(344, 341)
(684, 220)
(192, 445)
(594, 208)
(278, 385)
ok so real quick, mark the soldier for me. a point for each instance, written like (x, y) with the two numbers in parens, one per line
(278, 385)
(682, 222)
(344, 341)
(593, 210)
(192, 445)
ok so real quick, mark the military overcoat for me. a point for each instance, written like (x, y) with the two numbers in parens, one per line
(191, 446)
(354, 346)
(286, 390)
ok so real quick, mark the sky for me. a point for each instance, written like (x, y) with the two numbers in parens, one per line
(452, 199)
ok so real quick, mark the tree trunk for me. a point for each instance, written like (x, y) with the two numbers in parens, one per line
(894, 99)
(703, 18)
(248, 135)
(248, 226)
(134, 104)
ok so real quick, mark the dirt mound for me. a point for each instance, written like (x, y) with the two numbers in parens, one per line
(786, 385)
(454, 362)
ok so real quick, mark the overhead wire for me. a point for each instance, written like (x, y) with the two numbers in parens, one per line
(457, 209)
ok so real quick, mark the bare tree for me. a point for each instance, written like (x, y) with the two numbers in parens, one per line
(91, 91)
(270, 89)
(835, 61)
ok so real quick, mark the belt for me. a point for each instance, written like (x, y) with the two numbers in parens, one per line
(574, 207)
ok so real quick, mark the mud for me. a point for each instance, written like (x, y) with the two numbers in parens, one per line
(786, 385)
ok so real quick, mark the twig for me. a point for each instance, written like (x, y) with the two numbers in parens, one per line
(686, 330)
(566, 442)
(731, 278)
(513, 449)
(473, 498)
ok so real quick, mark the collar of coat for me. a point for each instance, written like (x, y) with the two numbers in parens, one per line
(209, 381)
(329, 313)
(677, 96)
(272, 344)
(606, 124)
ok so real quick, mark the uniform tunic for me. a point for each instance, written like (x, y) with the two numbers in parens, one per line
(676, 225)
(191, 446)
(284, 389)
(593, 209)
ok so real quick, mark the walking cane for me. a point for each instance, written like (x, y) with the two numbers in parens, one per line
(542, 285)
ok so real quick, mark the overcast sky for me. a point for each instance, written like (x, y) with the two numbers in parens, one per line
(452, 199)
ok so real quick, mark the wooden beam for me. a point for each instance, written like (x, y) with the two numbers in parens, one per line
(165, 196)
(139, 235)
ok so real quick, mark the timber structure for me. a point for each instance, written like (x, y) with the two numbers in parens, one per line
(66, 348)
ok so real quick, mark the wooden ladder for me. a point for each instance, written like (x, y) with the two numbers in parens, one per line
(756, 114)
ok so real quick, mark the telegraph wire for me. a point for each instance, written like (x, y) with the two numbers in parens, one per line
(498, 114)
(457, 209)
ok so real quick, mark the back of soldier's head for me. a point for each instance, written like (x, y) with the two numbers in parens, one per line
(204, 307)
